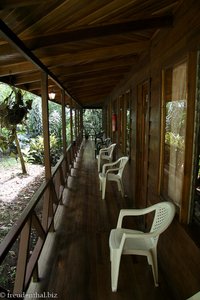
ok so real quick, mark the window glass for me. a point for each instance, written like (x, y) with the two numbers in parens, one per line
(175, 106)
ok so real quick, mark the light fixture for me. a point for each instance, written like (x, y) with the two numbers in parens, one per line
(52, 95)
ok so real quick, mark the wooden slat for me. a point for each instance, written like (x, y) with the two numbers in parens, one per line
(22, 259)
(38, 226)
(8, 4)
(93, 54)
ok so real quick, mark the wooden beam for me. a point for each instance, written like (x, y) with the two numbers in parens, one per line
(99, 31)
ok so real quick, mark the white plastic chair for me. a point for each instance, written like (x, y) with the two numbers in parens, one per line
(128, 241)
(105, 154)
(113, 172)
(195, 297)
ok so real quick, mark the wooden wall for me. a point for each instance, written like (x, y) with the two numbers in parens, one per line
(179, 256)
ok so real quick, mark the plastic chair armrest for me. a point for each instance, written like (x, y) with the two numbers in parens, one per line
(131, 212)
(112, 170)
(134, 236)
(102, 150)
(108, 165)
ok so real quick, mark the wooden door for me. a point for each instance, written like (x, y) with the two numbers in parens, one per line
(142, 143)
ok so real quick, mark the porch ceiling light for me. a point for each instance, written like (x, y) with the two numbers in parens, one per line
(52, 95)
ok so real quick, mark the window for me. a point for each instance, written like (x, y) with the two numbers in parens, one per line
(174, 130)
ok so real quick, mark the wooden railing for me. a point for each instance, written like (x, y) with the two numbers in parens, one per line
(29, 233)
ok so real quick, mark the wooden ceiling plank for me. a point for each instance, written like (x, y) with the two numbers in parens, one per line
(96, 66)
(29, 78)
(95, 54)
(12, 4)
(21, 80)
(79, 12)
(85, 84)
(50, 18)
(19, 45)
(25, 17)
(19, 68)
(106, 11)
(95, 74)
(165, 8)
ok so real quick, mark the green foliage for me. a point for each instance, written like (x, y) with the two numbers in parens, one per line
(55, 122)
(175, 115)
(174, 140)
(36, 152)
(92, 121)
(6, 140)
(34, 118)
(175, 123)
(68, 131)
(8, 277)
(3, 144)
(55, 150)
(18, 112)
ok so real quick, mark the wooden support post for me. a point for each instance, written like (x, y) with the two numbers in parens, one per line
(81, 123)
(48, 203)
(71, 122)
(66, 167)
(45, 123)
(63, 123)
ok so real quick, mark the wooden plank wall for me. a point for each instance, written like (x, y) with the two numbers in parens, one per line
(179, 256)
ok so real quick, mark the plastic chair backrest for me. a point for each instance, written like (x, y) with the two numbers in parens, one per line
(164, 214)
(123, 160)
(110, 150)
(107, 142)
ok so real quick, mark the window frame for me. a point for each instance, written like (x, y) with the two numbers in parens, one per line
(191, 60)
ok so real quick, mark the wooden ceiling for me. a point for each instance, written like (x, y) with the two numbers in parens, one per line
(86, 47)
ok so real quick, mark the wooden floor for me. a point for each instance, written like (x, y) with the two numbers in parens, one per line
(75, 264)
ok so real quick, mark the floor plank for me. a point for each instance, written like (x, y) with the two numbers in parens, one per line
(75, 264)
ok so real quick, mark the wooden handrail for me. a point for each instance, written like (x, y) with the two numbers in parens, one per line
(29, 219)
(14, 232)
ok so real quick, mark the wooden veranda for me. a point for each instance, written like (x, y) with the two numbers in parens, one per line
(75, 263)
(134, 60)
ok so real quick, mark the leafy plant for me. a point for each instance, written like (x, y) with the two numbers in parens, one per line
(36, 152)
